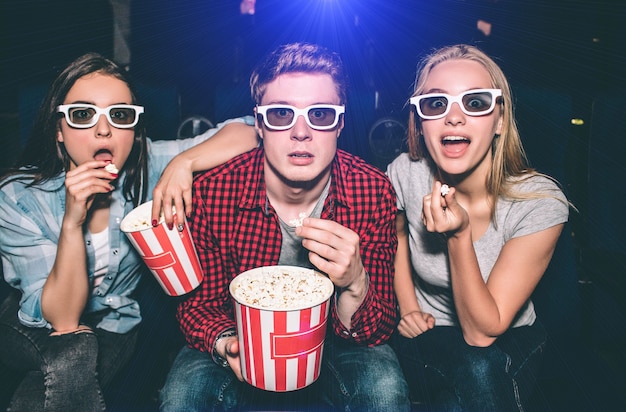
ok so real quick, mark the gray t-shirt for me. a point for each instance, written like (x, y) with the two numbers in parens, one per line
(413, 180)
(292, 253)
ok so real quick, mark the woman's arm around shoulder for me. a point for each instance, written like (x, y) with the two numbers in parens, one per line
(174, 186)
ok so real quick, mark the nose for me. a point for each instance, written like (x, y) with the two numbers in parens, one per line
(455, 115)
(102, 127)
(300, 131)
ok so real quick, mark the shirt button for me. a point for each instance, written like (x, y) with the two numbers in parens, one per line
(99, 293)
(117, 220)
(109, 277)
(354, 334)
(88, 242)
(345, 332)
(115, 251)
(109, 300)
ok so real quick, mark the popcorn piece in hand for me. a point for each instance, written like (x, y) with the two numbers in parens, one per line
(445, 189)
(298, 222)
(111, 169)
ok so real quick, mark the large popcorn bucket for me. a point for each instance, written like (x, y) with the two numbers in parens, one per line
(281, 347)
(169, 254)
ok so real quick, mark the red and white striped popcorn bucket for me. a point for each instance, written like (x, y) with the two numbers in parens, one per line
(169, 254)
(281, 347)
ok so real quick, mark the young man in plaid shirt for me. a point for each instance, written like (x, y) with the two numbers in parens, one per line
(241, 217)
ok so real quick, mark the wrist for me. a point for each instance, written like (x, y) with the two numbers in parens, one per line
(404, 313)
(217, 358)
(465, 232)
(71, 228)
(183, 160)
(358, 288)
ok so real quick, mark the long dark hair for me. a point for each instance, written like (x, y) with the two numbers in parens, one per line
(44, 157)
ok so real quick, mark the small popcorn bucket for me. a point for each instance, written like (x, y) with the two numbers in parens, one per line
(281, 349)
(169, 254)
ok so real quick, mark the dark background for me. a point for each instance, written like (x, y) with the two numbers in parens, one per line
(565, 60)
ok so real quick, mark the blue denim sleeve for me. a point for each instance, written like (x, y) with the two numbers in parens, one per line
(29, 227)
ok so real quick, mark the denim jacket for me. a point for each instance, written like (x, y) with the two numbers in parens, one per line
(30, 225)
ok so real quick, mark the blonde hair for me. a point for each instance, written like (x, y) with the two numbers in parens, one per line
(509, 162)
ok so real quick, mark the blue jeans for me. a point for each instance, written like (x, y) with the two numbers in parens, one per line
(443, 371)
(353, 378)
(60, 373)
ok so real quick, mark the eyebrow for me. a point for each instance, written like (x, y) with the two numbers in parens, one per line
(434, 91)
(93, 104)
(293, 105)
(81, 102)
(444, 92)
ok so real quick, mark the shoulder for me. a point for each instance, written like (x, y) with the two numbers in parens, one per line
(16, 180)
(19, 186)
(352, 164)
(356, 175)
(411, 179)
(245, 166)
(539, 204)
(403, 167)
(538, 185)
(401, 162)
(11, 186)
(22, 205)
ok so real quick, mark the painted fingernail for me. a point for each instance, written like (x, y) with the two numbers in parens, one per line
(180, 227)
(154, 223)
(170, 226)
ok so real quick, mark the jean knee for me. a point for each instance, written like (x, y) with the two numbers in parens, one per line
(72, 358)
(196, 383)
(483, 369)
(377, 368)
(392, 389)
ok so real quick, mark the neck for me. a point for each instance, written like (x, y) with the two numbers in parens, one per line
(290, 199)
(471, 186)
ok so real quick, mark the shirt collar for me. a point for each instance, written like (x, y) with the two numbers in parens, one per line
(255, 194)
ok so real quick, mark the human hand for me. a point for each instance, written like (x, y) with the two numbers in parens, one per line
(415, 323)
(247, 6)
(231, 354)
(173, 189)
(77, 330)
(334, 249)
(82, 184)
(443, 214)
(484, 27)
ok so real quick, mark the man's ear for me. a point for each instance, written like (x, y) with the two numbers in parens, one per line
(340, 126)
(257, 125)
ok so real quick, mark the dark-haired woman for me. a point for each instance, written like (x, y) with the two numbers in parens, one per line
(71, 322)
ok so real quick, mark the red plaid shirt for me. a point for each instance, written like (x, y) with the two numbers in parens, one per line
(236, 229)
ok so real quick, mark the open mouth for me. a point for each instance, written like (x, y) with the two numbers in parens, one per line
(455, 140)
(104, 155)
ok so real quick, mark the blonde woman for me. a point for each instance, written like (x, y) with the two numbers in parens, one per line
(477, 228)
